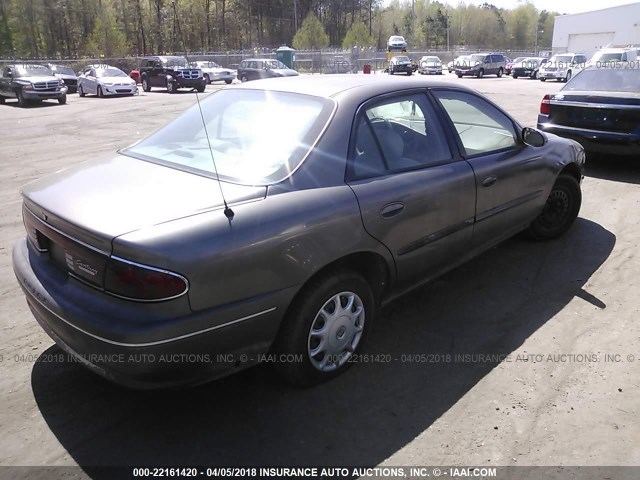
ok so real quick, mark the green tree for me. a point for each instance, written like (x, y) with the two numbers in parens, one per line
(107, 39)
(358, 35)
(311, 34)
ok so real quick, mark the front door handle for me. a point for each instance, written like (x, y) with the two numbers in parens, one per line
(391, 209)
(487, 182)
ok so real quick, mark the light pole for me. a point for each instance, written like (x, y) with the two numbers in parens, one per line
(538, 32)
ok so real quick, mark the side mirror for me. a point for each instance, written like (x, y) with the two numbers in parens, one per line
(533, 137)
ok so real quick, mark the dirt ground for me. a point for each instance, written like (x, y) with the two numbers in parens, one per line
(528, 355)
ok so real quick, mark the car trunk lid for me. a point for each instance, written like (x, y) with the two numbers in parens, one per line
(602, 111)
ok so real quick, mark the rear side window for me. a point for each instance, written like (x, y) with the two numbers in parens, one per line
(482, 128)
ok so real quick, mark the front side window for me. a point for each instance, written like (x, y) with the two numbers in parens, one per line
(482, 128)
(397, 134)
(254, 137)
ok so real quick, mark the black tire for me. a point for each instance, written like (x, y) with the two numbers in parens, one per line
(543, 79)
(459, 76)
(171, 87)
(2, 99)
(99, 92)
(81, 91)
(22, 103)
(515, 76)
(560, 210)
(201, 88)
(207, 79)
(409, 73)
(295, 335)
(534, 75)
(499, 72)
(568, 77)
(63, 99)
(244, 79)
(145, 85)
(228, 81)
(481, 73)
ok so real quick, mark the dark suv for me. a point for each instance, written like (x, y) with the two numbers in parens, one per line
(481, 64)
(171, 73)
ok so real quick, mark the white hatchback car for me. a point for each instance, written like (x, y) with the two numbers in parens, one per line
(103, 80)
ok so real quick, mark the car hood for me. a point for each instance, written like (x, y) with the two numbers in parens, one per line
(432, 64)
(118, 195)
(65, 76)
(285, 72)
(126, 80)
(35, 79)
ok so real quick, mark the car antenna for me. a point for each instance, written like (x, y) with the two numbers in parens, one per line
(227, 211)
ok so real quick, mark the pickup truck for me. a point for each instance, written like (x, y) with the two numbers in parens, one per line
(28, 83)
(171, 73)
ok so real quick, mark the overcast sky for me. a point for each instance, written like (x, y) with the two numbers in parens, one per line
(562, 6)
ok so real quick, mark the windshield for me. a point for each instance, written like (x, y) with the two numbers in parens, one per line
(33, 71)
(256, 137)
(607, 57)
(477, 58)
(178, 62)
(63, 70)
(110, 72)
(606, 80)
(561, 59)
(207, 65)
(431, 59)
(396, 39)
(401, 59)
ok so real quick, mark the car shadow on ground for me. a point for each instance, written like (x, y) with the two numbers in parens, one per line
(488, 306)
(614, 168)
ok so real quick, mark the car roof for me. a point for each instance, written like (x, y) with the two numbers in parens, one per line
(334, 85)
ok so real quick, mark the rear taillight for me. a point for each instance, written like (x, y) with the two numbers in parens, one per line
(143, 283)
(545, 105)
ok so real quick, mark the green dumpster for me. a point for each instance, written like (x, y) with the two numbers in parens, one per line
(285, 55)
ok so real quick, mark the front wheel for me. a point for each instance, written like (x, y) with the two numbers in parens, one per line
(63, 99)
(2, 99)
(499, 72)
(481, 73)
(207, 79)
(543, 79)
(243, 78)
(325, 326)
(145, 85)
(459, 76)
(228, 81)
(514, 76)
(81, 91)
(568, 76)
(171, 87)
(100, 92)
(21, 100)
(559, 212)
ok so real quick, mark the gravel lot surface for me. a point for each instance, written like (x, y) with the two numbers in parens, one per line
(528, 355)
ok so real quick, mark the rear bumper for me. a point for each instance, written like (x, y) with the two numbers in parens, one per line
(594, 141)
(134, 346)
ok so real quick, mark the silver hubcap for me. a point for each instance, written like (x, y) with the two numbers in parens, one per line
(336, 331)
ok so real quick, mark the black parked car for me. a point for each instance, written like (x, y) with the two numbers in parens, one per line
(67, 75)
(282, 227)
(256, 68)
(31, 83)
(598, 107)
(171, 73)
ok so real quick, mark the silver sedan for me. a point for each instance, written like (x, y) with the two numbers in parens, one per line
(104, 80)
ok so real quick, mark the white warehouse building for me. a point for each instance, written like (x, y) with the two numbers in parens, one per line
(590, 31)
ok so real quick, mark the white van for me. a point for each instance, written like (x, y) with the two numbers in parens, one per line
(562, 66)
(612, 55)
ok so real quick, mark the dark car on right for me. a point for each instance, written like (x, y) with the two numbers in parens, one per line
(599, 108)
(256, 68)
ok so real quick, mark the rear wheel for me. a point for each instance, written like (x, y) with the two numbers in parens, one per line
(568, 76)
(499, 72)
(228, 81)
(481, 73)
(201, 88)
(559, 212)
(543, 79)
(244, 78)
(2, 99)
(171, 87)
(63, 99)
(145, 85)
(81, 91)
(325, 325)
(459, 76)
(207, 79)
(515, 76)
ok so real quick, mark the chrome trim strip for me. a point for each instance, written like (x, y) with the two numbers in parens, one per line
(147, 267)
(434, 237)
(158, 342)
(613, 106)
(506, 206)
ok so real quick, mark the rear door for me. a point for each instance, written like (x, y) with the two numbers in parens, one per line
(415, 196)
(511, 177)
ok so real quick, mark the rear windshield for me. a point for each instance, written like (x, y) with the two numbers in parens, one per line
(607, 57)
(175, 62)
(256, 137)
(606, 80)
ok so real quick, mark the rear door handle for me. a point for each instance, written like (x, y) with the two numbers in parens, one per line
(391, 209)
(487, 182)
